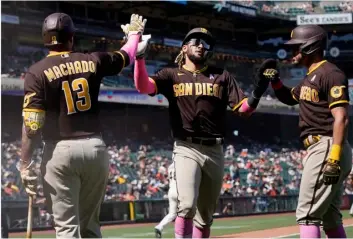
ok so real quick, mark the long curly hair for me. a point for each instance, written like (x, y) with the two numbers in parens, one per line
(180, 59)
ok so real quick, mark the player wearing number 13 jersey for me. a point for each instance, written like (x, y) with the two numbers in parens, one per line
(61, 102)
(66, 86)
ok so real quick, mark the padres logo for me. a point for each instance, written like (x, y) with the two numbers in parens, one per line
(203, 30)
(34, 126)
(337, 91)
(27, 99)
(53, 40)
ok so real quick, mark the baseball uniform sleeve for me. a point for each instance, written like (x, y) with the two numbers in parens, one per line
(235, 95)
(33, 112)
(295, 92)
(111, 63)
(336, 89)
(34, 93)
(163, 81)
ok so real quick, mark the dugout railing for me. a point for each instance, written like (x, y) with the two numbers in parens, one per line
(14, 213)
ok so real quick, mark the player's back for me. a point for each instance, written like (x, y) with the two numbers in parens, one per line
(66, 86)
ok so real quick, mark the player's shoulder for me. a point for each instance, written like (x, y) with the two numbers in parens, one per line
(220, 72)
(84, 56)
(217, 70)
(97, 55)
(329, 70)
(55, 59)
(38, 67)
(169, 70)
(36, 70)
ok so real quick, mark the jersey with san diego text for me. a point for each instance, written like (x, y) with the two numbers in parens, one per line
(322, 89)
(66, 86)
(198, 100)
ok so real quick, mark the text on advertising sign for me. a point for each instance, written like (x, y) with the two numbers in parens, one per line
(324, 19)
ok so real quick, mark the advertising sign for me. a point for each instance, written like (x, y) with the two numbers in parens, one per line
(11, 86)
(324, 19)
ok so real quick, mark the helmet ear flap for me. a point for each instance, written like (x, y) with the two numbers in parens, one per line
(313, 45)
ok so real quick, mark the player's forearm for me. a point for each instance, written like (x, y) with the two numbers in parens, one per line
(142, 82)
(339, 128)
(340, 125)
(283, 93)
(130, 47)
(33, 121)
(248, 106)
(27, 148)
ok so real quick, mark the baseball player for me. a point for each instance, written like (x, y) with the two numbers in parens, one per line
(61, 103)
(323, 119)
(173, 203)
(198, 98)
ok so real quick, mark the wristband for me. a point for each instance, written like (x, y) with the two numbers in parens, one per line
(277, 85)
(335, 152)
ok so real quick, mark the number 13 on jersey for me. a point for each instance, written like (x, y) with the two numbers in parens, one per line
(83, 102)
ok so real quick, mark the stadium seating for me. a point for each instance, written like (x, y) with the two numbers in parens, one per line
(295, 11)
(332, 9)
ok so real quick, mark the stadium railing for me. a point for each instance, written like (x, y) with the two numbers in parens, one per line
(140, 211)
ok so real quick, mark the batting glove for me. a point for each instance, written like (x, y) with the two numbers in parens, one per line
(331, 172)
(29, 178)
(142, 46)
(262, 78)
(268, 70)
(136, 26)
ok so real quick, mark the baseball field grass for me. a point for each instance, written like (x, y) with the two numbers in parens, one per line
(262, 226)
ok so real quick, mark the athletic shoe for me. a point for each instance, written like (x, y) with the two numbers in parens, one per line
(158, 233)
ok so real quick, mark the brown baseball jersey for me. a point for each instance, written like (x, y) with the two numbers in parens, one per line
(198, 100)
(323, 88)
(66, 86)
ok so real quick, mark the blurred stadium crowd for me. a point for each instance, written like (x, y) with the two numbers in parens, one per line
(141, 172)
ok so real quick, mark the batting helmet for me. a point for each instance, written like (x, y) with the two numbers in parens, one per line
(310, 38)
(57, 28)
(200, 32)
(203, 33)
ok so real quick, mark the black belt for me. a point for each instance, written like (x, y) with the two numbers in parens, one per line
(203, 141)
